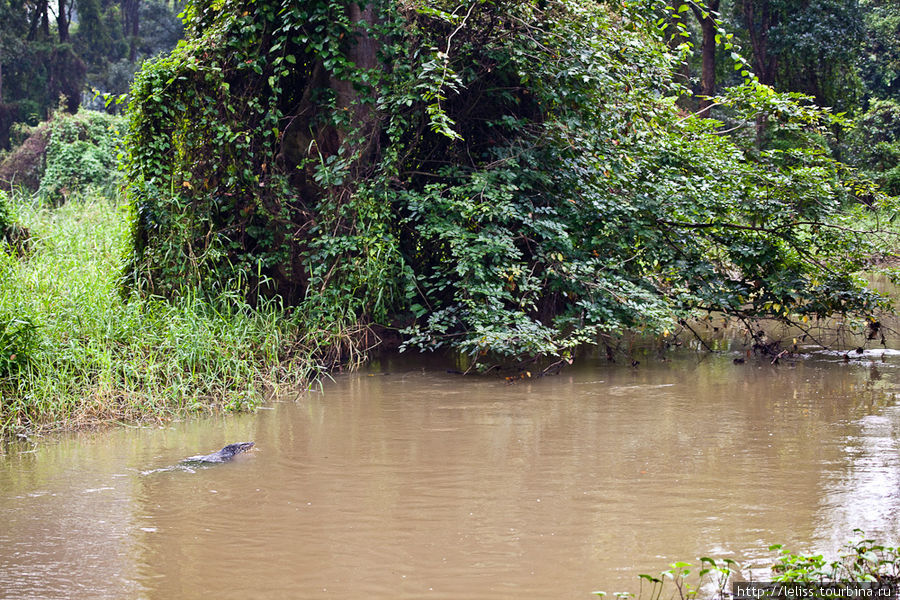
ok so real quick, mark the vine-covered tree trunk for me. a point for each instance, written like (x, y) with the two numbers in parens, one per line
(707, 20)
(498, 176)
(359, 137)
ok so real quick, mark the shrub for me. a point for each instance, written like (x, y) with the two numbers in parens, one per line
(512, 180)
(23, 167)
(864, 561)
(6, 212)
(82, 151)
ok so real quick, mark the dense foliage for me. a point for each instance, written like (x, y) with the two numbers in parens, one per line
(875, 144)
(83, 150)
(805, 46)
(880, 61)
(66, 155)
(509, 178)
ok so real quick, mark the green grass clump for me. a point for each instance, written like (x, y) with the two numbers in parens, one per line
(13, 237)
(75, 350)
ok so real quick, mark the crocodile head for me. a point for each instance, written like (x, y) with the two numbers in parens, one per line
(232, 449)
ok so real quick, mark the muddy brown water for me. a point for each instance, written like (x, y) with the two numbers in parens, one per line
(404, 481)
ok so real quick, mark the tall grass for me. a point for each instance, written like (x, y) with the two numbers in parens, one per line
(96, 355)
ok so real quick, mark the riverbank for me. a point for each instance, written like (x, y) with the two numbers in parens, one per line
(76, 352)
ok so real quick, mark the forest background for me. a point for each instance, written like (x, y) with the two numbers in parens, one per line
(843, 53)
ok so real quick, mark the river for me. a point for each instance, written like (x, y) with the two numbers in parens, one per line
(406, 481)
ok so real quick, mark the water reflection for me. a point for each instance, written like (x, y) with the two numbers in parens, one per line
(411, 482)
(866, 491)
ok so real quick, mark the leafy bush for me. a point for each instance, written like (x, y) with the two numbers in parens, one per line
(7, 218)
(82, 151)
(23, 167)
(865, 560)
(513, 179)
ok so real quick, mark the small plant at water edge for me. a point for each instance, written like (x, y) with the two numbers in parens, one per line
(863, 562)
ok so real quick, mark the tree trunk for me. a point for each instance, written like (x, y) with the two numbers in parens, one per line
(708, 54)
(759, 20)
(39, 21)
(62, 22)
(131, 25)
(45, 20)
(361, 137)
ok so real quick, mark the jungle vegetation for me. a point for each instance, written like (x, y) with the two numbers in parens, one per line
(76, 352)
(509, 179)
(304, 181)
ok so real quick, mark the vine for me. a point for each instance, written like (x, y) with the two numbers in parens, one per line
(510, 179)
